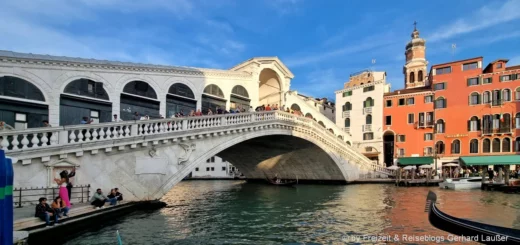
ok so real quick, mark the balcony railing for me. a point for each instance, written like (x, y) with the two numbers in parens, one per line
(367, 110)
(497, 102)
(423, 124)
(501, 130)
(346, 114)
(346, 130)
(367, 128)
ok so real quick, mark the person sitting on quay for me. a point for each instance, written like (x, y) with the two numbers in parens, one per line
(60, 207)
(44, 212)
(98, 199)
(114, 193)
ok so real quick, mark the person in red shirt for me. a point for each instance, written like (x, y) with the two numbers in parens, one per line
(198, 113)
(267, 108)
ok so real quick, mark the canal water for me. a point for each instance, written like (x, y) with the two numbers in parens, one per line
(235, 212)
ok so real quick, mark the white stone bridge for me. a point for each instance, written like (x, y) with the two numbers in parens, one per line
(145, 159)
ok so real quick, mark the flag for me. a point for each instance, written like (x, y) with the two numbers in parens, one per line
(119, 238)
(501, 117)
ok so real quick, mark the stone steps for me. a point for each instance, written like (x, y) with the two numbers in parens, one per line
(34, 222)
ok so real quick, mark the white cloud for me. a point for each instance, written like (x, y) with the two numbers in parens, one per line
(487, 16)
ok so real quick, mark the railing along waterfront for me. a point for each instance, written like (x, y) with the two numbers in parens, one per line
(30, 195)
(52, 137)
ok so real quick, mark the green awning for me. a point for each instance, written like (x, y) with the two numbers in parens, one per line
(415, 160)
(491, 160)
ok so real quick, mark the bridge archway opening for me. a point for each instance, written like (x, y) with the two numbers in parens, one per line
(239, 99)
(84, 98)
(24, 105)
(322, 124)
(180, 98)
(212, 99)
(388, 147)
(308, 115)
(285, 156)
(270, 88)
(139, 97)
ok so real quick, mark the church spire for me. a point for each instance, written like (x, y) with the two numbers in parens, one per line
(414, 69)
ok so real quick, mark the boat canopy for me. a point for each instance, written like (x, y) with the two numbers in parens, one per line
(415, 160)
(491, 160)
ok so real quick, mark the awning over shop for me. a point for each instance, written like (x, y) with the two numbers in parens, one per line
(415, 160)
(491, 160)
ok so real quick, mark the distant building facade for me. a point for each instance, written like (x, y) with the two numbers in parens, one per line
(215, 168)
(359, 110)
(323, 106)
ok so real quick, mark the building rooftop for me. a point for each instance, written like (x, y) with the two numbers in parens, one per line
(512, 68)
(456, 61)
(409, 91)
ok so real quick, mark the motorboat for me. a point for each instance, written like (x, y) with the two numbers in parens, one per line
(471, 230)
(462, 183)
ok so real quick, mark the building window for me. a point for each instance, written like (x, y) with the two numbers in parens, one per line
(439, 147)
(223, 168)
(472, 81)
(517, 93)
(428, 136)
(388, 120)
(369, 88)
(517, 121)
(443, 70)
(347, 122)
(412, 77)
(429, 118)
(410, 101)
(345, 94)
(473, 146)
(211, 159)
(439, 86)
(496, 100)
(506, 145)
(486, 97)
(496, 145)
(369, 102)
(207, 169)
(428, 151)
(401, 138)
(389, 103)
(347, 106)
(470, 66)
(499, 65)
(212, 168)
(496, 121)
(428, 99)
(474, 98)
(411, 118)
(401, 101)
(441, 126)
(486, 146)
(474, 124)
(401, 152)
(420, 76)
(506, 78)
(487, 80)
(506, 95)
(368, 136)
(196, 169)
(20, 121)
(517, 144)
(455, 147)
(440, 103)
(368, 119)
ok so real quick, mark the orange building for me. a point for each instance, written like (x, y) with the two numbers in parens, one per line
(459, 110)
(408, 113)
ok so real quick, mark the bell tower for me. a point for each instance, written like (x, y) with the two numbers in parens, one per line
(414, 69)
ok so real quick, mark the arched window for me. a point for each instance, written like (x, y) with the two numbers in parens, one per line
(473, 146)
(455, 147)
(440, 103)
(439, 146)
(412, 77)
(474, 98)
(19, 88)
(517, 144)
(369, 102)
(308, 115)
(474, 124)
(496, 145)
(486, 146)
(368, 119)
(496, 121)
(182, 90)
(517, 93)
(140, 88)
(214, 90)
(506, 95)
(517, 121)
(330, 130)
(347, 106)
(505, 124)
(347, 122)
(348, 143)
(295, 107)
(486, 97)
(321, 123)
(441, 127)
(420, 76)
(87, 88)
(340, 137)
(506, 145)
(240, 91)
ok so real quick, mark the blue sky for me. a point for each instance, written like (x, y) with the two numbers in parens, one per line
(321, 42)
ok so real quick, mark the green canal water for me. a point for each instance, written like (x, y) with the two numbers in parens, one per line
(235, 212)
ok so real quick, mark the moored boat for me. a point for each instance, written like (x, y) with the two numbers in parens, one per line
(462, 183)
(474, 231)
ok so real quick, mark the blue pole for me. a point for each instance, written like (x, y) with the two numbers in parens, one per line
(8, 202)
(2, 195)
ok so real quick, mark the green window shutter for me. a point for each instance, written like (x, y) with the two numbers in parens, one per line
(468, 81)
(445, 85)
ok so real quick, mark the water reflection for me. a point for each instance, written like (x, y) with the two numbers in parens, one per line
(233, 212)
